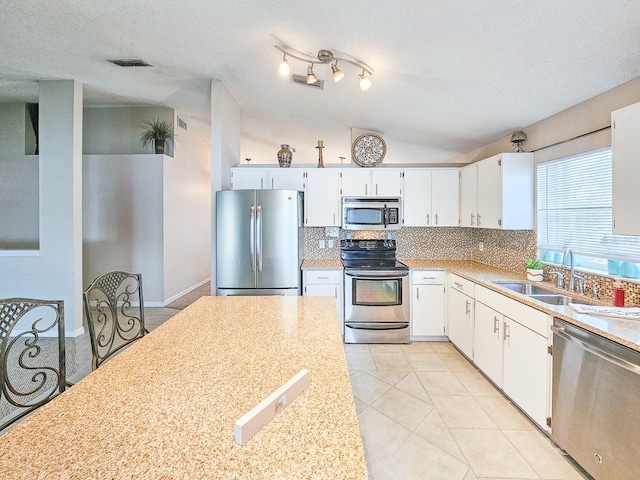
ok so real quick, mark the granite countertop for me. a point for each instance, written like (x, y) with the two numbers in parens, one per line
(322, 264)
(166, 406)
(623, 331)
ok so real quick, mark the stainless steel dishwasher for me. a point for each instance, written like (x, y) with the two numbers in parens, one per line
(596, 402)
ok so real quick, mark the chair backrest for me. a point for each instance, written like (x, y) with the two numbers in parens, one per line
(114, 308)
(32, 355)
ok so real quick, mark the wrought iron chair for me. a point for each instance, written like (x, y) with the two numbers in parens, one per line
(114, 309)
(32, 360)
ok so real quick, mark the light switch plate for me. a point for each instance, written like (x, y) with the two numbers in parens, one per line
(332, 231)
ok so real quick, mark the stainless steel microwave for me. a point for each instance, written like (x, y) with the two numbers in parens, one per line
(371, 213)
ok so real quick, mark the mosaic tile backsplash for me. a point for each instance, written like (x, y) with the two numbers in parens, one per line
(505, 249)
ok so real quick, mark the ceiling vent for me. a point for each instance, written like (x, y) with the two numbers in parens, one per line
(130, 62)
(302, 80)
(182, 124)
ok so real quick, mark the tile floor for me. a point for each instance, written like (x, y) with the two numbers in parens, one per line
(426, 413)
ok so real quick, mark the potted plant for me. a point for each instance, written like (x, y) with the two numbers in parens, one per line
(534, 269)
(158, 131)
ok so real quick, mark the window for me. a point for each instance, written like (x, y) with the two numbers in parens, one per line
(574, 208)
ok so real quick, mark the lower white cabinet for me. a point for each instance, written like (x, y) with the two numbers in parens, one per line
(511, 343)
(427, 303)
(461, 306)
(325, 283)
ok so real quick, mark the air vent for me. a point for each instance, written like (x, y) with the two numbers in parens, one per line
(182, 124)
(302, 80)
(130, 62)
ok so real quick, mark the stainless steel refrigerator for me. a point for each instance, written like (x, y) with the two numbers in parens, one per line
(259, 241)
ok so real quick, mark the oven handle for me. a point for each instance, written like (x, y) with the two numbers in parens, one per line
(381, 275)
(377, 326)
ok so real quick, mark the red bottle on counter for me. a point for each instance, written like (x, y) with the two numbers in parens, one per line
(618, 297)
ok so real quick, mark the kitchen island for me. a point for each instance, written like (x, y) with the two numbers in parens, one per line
(166, 406)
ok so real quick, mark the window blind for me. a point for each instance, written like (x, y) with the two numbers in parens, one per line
(574, 208)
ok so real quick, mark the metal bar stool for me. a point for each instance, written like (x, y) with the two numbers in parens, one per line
(32, 361)
(114, 308)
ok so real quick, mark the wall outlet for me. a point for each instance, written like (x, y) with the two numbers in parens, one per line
(481, 246)
(321, 243)
(331, 243)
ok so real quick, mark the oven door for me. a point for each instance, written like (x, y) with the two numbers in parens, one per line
(376, 306)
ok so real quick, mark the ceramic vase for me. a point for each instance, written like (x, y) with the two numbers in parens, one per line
(284, 156)
(534, 275)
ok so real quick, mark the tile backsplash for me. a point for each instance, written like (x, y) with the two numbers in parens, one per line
(505, 249)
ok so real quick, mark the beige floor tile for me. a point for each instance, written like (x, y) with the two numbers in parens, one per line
(426, 362)
(417, 347)
(356, 347)
(504, 414)
(456, 362)
(419, 460)
(470, 475)
(476, 383)
(490, 454)
(381, 437)
(360, 361)
(367, 388)
(385, 348)
(392, 377)
(542, 455)
(401, 407)
(460, 411)
(441, 383)
(390, 361)
(411, 385)
(433, 430)
(443, 347)
(360, 405)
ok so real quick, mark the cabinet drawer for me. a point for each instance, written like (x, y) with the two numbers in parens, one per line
(461, 284)
(316, 277)
(427, 277)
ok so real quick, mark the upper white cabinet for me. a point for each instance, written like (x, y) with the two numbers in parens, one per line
(371, 182)
(498, 192)
(269, 178)
(625, 142)
(431, 197)
(322, 206)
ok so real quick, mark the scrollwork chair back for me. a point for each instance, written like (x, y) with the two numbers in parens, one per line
(32, 355)
(114, 308)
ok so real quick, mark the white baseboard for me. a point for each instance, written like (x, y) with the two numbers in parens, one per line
(178, 295)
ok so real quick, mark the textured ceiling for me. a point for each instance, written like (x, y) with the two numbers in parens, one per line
(449, 75)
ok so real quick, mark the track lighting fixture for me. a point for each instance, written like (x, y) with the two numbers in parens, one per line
(311, 77)
(324, 57)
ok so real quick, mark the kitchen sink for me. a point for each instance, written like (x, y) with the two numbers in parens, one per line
(554, 299)
(526, 288)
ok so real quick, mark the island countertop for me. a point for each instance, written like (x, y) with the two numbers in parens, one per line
(166, 406)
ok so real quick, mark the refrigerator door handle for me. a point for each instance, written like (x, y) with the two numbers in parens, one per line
(259, 235)
(252, 237)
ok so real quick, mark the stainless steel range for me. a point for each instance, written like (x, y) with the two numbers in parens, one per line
(376, 292)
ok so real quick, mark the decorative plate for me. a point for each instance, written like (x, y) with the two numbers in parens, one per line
(368, 150)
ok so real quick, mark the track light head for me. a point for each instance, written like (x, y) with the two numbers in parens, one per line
(365, 83)
(284, 69)
(311, 77)
(337, 73)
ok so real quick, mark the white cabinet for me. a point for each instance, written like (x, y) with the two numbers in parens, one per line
(322, 198)
(431, 197)
(427, 303)
(498, 192)
(325, 283)
(461, 306)
(625, 143)
(511, 347)
(487, 342)
(371, 182)
(526, 377)
(267, 178)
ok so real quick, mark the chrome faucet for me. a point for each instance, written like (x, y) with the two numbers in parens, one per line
(559, 279)
(568, 252)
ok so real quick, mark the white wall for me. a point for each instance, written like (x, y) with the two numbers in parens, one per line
(588, 116)
(225, 152)
(55, 270)
(187, 211)
(116, 130)
(122, 219)
(19, 213)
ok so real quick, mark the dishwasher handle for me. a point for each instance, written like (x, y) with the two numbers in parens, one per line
(562, 333)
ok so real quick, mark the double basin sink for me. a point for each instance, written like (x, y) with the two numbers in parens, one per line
(538, 293)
